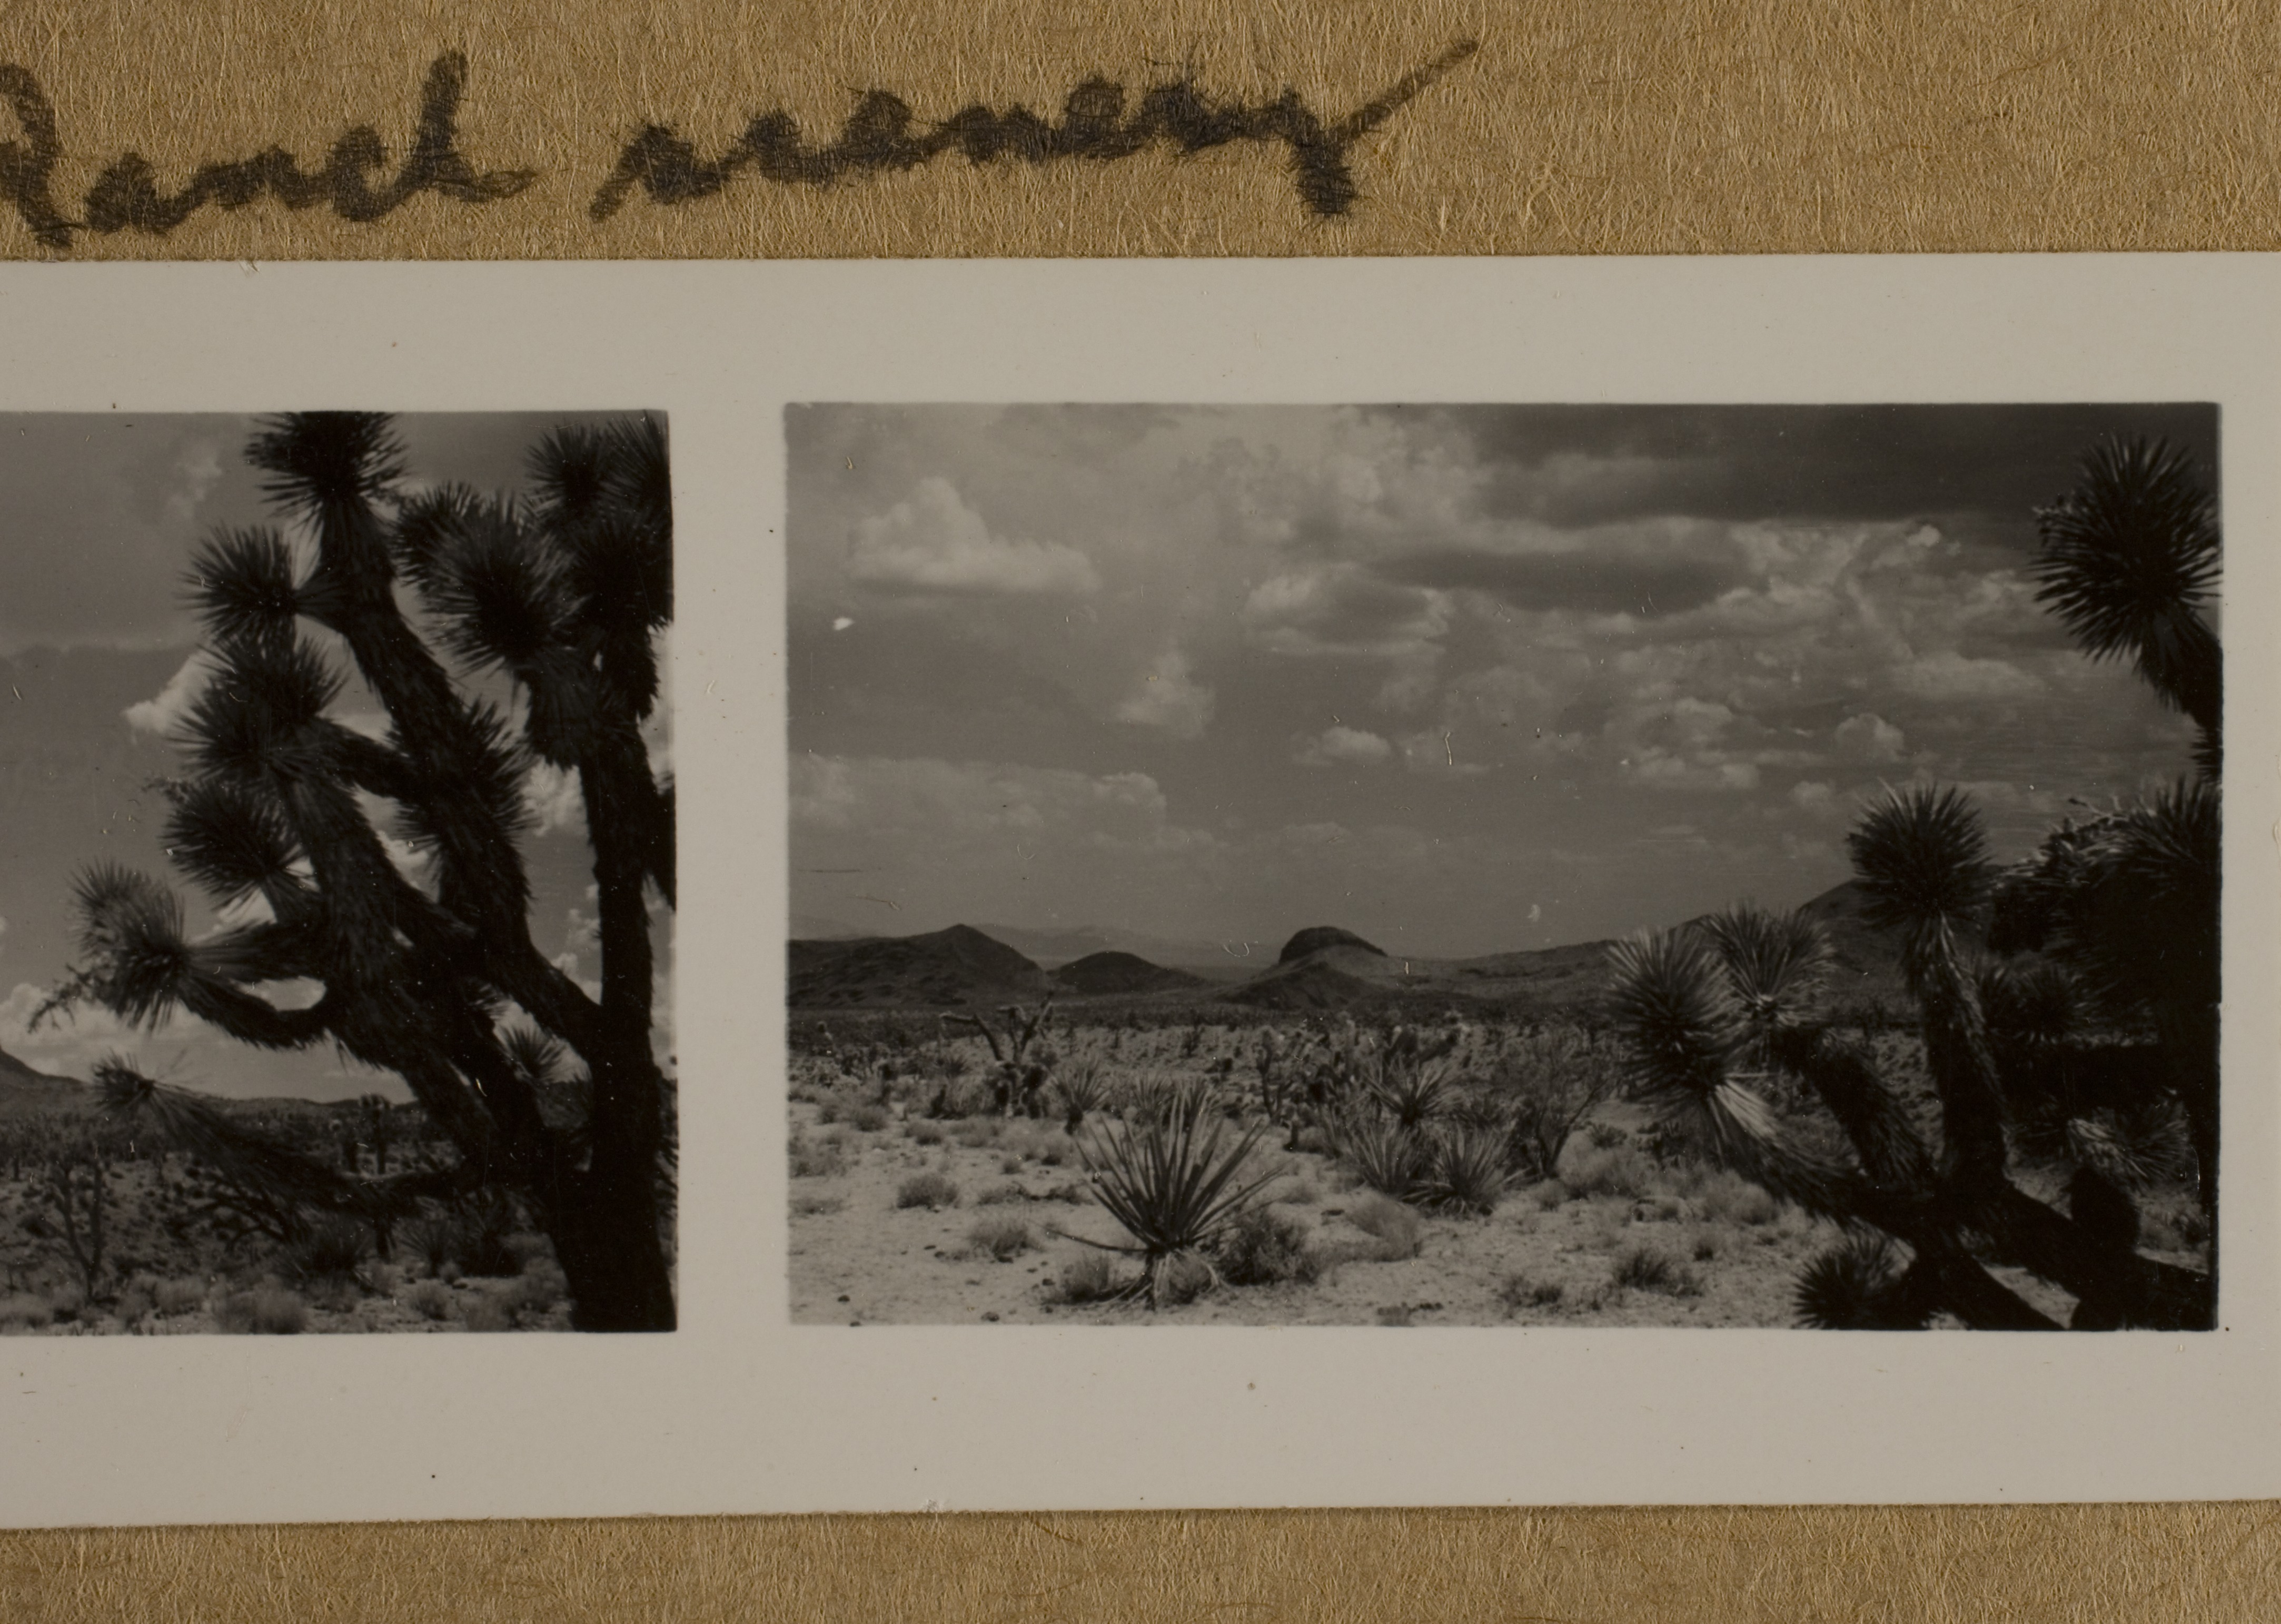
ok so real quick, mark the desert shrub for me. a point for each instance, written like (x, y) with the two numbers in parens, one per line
(1009, 1163)
(1730, 1198)
(1264, 1247)
(171, 1297)
(867, 1119)
(1382, 1153)
(1398, 1230)
(1000, 1195)
(1550, 1084)
(1089, 1278)
(1300, 1192)
(1465, 1171)
(1183, 1278)
(1621, 1171)
(1643, 1268)
(813, 1206)
(924, 1133)
(333, 1250)
(24, 1312)
(1607, 1136)
(486, 1311)
(815, 1159)
(1517, 1292)
(134, 1304)
(430, 1300)
(428, 1240)
(538, 1290)
(481, 1244)
(1002, 1237)
(976, 1131)
(265, 1311)
(1550, 1193)
(927, 1189)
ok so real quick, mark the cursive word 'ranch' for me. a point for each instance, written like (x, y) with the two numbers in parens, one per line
(359, 179)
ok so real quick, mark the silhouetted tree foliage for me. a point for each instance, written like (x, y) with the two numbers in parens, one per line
(2088, 1049)
(430, 970)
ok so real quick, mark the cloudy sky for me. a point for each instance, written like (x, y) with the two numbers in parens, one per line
(97, 519)
(1462, 679)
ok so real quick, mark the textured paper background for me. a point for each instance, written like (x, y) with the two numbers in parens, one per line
(1581, 126)
(1578, 126)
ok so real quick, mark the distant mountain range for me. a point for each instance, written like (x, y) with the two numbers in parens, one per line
(1321, 968)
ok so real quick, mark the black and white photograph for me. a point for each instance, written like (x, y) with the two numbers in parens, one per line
(1505, 865)
(336, 864)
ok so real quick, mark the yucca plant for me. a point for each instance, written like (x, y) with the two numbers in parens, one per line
(562, 595)
(1465, 1171)
(1175, 1185)
(1858, 1285)
(1386, 1156)
(2131, 558)
(1411, 1090)
(1676, 1006)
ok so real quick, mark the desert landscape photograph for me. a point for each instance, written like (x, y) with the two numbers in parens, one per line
(1532, 865)
(336, 874)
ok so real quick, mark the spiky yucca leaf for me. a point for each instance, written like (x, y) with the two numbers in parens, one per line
(245, 587)
(1921, 857)
(1465, 1171)
(1412, 1091)
(535, 1055)
(1775, 964)
(195, 1125)
(2029, 1004)
(2134, 1149)
(316, 459)
(1171, 1184)
(232, 840)
(2129, 558)
(1674, 1011)
(1386, 1154)
(2144, 924)
(258, 714)
(130, 929)
(1856, 1286)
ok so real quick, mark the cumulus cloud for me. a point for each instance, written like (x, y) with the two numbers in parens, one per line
(1343, 747)
(196, 471)
(1869, 737)
(163, 712)
(1812, 795)
(1169, 697)
(933, 542)
(552, 797)
(1343, 608)
(998, 800)
(1947, 675)
(70, 1044)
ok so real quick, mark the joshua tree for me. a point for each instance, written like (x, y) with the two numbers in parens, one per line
(423, 967)
(1021, 1074)
(2126, 906)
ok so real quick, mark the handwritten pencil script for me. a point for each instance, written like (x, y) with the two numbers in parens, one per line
(883, 134)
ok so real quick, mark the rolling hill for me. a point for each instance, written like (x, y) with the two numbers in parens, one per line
(1100, 975)
(943, 969)
(1320, 968)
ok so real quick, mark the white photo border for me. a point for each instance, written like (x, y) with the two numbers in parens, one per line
(741, 1411)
